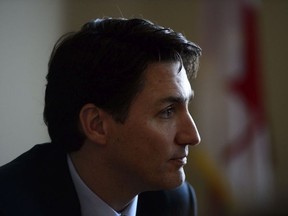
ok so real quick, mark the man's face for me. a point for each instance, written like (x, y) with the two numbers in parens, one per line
(150, 149)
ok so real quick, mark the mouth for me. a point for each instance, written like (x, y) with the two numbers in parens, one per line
(179, 161)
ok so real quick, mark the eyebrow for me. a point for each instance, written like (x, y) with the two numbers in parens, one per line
(177, 99)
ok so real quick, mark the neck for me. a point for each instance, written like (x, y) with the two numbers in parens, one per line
(100, 178)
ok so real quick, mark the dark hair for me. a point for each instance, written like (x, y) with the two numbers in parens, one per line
(103, 64)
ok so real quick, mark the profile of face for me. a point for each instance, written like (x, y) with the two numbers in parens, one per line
(150, 148)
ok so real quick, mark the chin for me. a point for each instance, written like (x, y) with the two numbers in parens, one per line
(171, 181)
(176, 182)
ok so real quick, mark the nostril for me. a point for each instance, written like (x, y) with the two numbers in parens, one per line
(197, 140)
(188, 136)
(188, 133)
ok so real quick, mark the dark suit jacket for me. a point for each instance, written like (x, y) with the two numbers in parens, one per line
(38, 183)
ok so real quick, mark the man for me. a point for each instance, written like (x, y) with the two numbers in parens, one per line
(116, 107)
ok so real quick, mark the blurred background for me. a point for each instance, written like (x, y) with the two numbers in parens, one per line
(241, 100)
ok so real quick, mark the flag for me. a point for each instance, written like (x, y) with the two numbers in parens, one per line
(241, 146)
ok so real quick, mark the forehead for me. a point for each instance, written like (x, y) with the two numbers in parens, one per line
(165, 72)
(166, 79)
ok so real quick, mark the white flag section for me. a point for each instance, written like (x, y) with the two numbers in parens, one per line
(230, 41)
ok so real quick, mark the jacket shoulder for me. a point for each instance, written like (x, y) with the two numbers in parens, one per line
(24, 164)
(179, 201)
(37, 183)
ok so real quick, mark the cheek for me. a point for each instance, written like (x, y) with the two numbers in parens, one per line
(150, 140)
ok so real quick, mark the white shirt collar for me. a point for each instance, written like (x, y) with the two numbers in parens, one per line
(91, 204)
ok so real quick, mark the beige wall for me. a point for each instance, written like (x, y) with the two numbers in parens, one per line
(179, 16)
(28, 30)
(275, 55)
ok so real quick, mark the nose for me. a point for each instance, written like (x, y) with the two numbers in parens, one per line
(187, 131)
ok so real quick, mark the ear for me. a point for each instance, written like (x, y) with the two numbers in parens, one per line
(92, 123)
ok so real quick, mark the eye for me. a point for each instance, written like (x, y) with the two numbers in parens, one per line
(168, 112)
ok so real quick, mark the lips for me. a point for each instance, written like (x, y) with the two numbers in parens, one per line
(180, 161)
